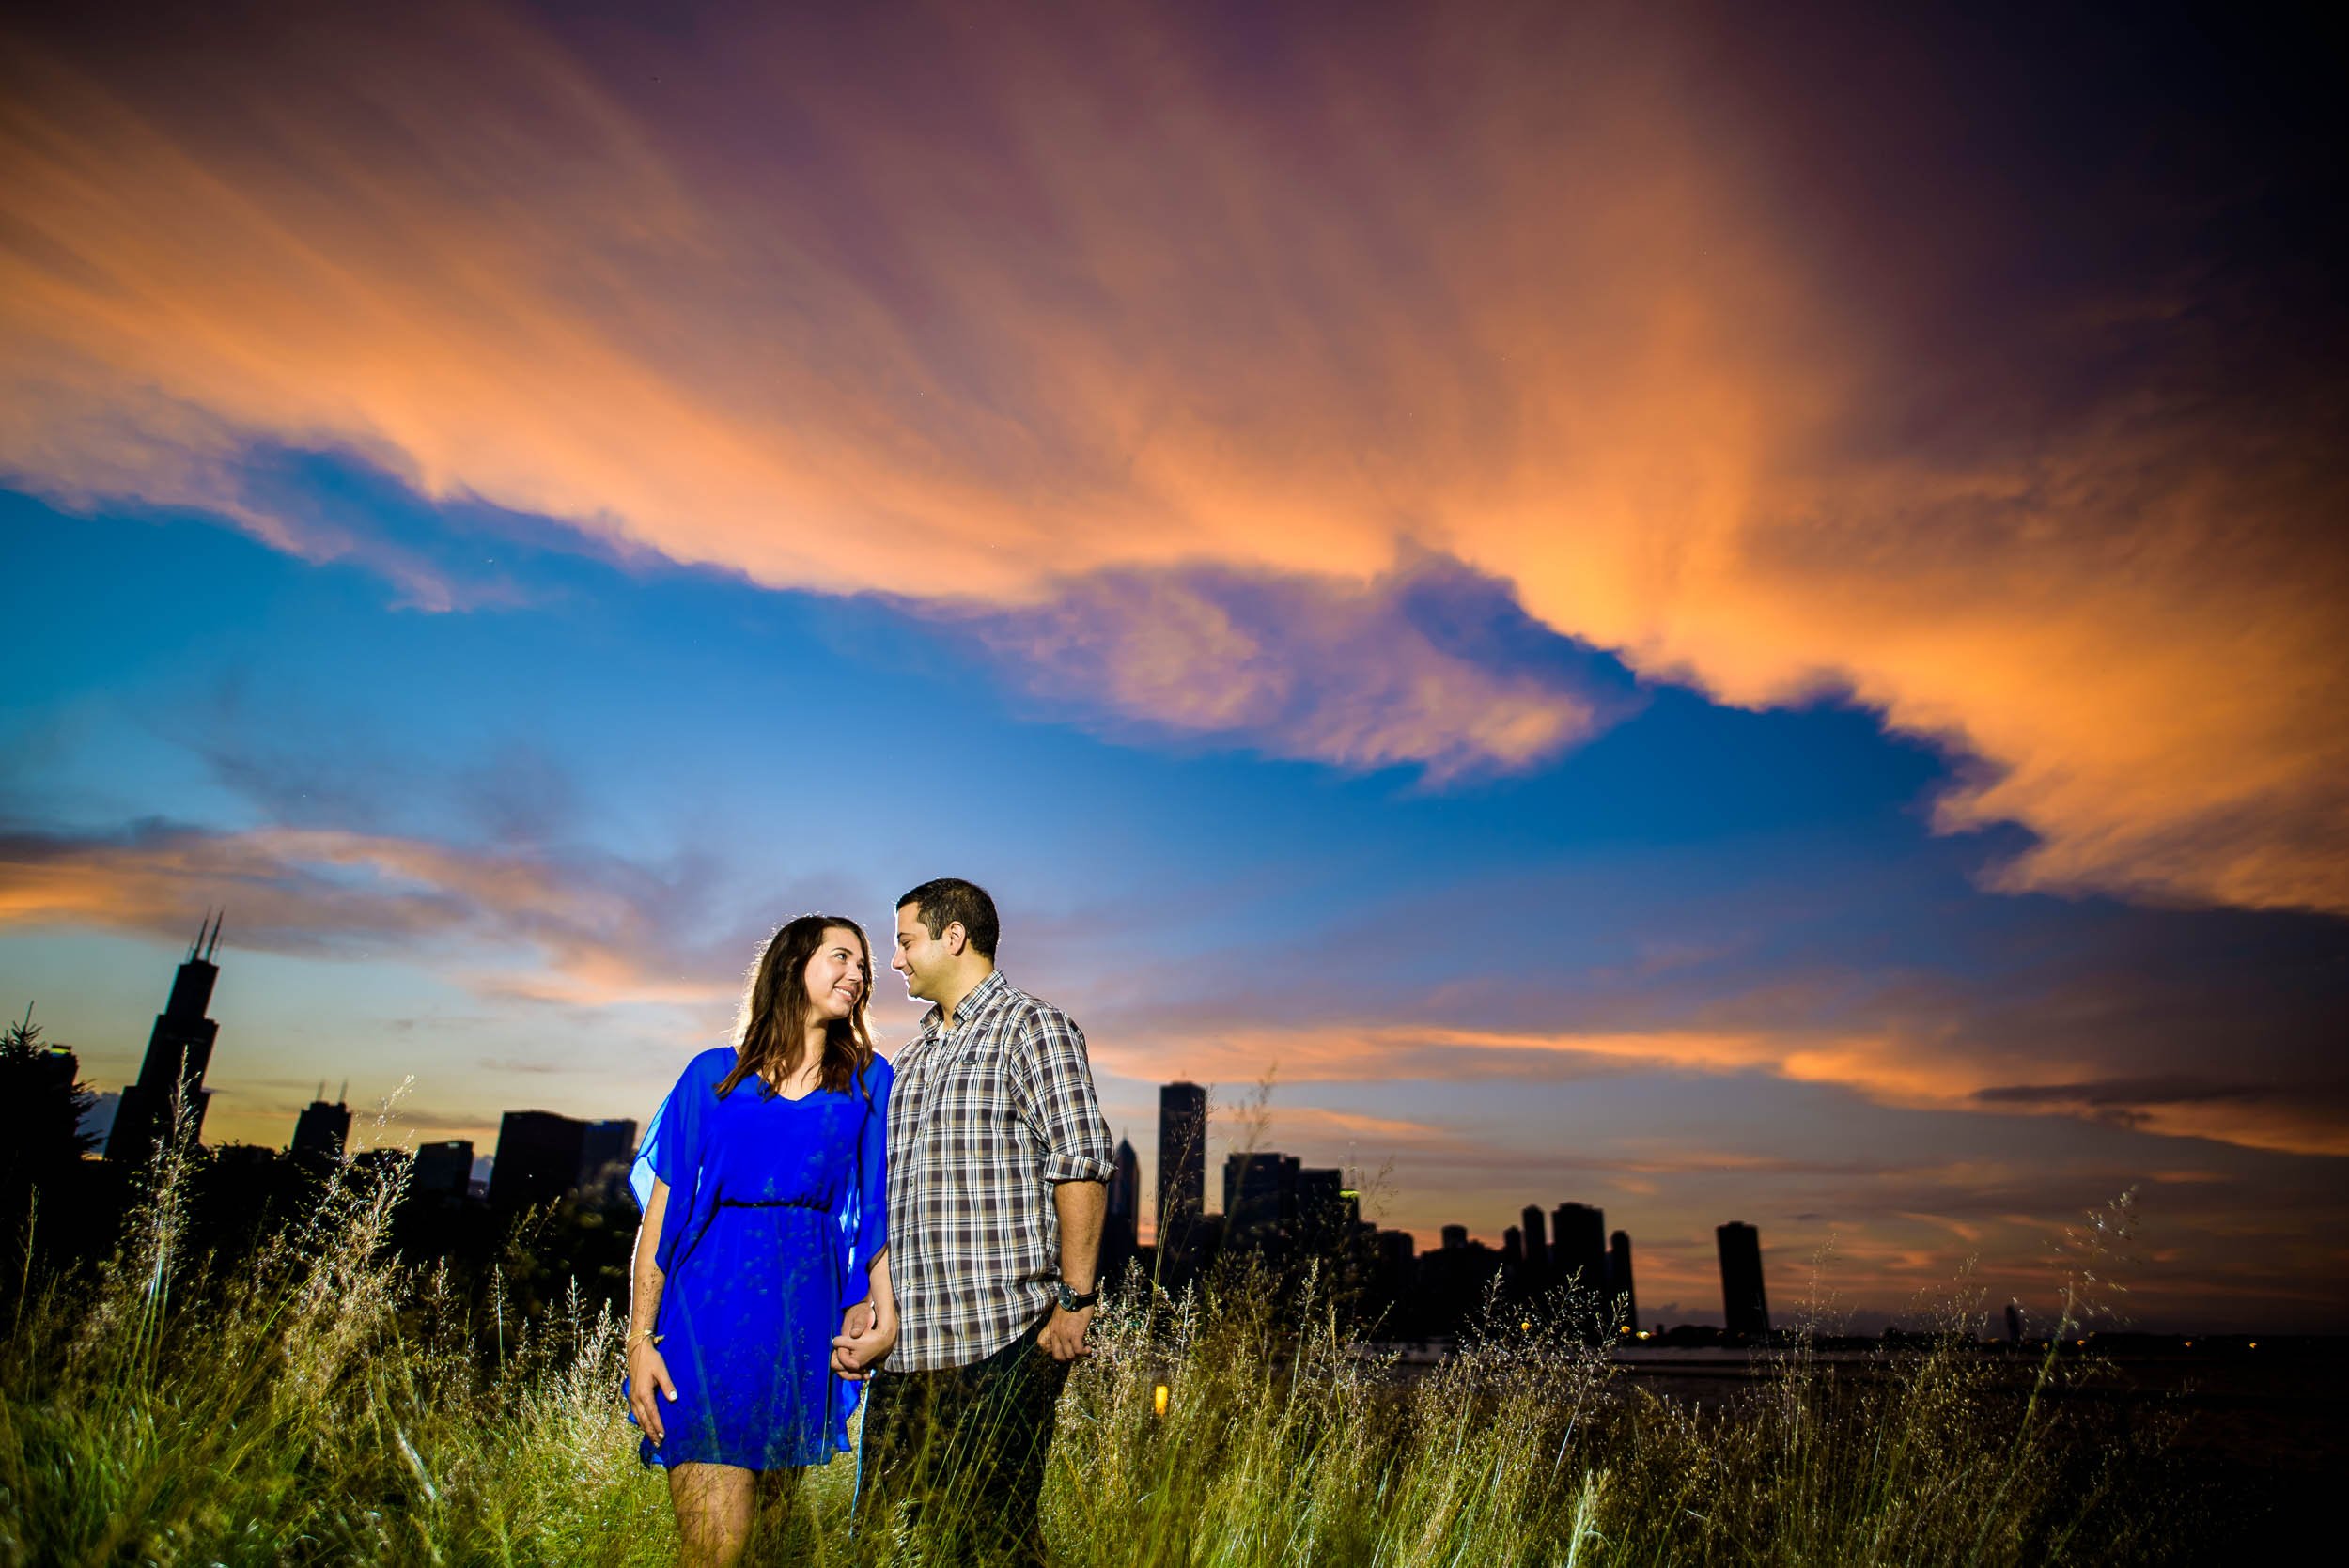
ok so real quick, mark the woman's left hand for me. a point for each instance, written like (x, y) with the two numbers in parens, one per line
(867, 1335)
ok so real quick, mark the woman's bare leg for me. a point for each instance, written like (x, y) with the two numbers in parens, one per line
(713, 1505)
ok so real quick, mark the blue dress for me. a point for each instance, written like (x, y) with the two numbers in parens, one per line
(777, 1209)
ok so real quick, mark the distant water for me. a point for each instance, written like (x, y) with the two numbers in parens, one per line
(2261, 1434)
(2288, 1406)
(2261, 1437)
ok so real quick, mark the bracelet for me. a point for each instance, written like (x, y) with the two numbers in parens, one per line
(645, 1334)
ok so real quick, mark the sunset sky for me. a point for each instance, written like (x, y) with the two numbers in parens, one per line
(1725, 612)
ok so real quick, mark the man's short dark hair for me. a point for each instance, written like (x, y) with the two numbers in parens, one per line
(941, 902)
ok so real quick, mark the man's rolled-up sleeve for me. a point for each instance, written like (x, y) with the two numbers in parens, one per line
(1052, 1084)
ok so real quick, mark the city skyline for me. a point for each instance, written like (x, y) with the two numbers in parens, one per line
(1703, 612)
(582, 1150)
(540, 1156)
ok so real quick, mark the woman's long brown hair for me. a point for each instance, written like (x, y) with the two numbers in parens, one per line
(770, 1036)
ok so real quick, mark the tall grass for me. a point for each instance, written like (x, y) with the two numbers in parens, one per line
(323, 1402)
(1286, 1443)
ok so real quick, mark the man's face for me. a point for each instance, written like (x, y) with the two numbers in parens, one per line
(922, 958)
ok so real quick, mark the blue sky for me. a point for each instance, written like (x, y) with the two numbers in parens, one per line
(695, 758)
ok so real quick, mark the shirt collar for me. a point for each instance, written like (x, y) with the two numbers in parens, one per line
(981, 1000)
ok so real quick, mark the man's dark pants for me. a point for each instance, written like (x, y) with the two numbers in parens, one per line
(964, 1448)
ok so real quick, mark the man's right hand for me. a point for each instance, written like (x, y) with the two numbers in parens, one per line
(647, 1371)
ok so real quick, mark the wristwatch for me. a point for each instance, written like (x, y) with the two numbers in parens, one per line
(1074, 1302)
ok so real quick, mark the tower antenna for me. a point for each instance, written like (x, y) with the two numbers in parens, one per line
(342, 1096)
(214, 945)
(196, 948)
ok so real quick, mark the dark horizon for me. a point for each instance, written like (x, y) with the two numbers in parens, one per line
(578, 1168)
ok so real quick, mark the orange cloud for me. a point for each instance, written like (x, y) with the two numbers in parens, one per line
(1327, 1125)
(817, 311)
(1339, 675)
(1883, 1068)
(572, 935)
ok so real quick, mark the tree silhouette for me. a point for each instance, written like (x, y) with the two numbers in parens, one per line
(42, 1101)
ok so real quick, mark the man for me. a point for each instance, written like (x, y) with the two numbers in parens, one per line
(998, 1160)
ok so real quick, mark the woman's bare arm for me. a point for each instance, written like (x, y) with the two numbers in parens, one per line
(644, 1303)
(870, 1328)
(646, 1371)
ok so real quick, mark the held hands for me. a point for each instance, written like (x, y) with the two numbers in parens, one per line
(647, 1371)
(1063, 1336)
(864, 1338)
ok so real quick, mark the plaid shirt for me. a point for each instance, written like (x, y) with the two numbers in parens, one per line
(985, 1119)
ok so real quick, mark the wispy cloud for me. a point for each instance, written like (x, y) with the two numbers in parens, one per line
(2306, 1118)
(1413, 667)
(587, 929)
(1919, 1072)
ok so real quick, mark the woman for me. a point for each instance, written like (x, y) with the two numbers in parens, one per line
(765, 1222)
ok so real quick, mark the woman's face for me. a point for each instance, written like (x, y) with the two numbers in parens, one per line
(835, 975)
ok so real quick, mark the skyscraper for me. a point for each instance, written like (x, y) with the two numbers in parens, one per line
(322, 1130)
(1259, 1192)
(536, 1159)
(1182, 1165)
(1323, 1222)
(1536, 1243)
(1577, 1246)
(179, 1052)
(1513, 1247)
(605, 1151)
(442, 1170)
(1395, 1251)
(1620, 1291)
(1455, 1237)
(1121, 1225)
(1578, 1260)
(1744, 1309)
(1125, 1194)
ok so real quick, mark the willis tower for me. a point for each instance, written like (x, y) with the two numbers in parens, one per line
(178, 1054)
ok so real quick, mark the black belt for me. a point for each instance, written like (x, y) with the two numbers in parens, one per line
(772, 1204)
